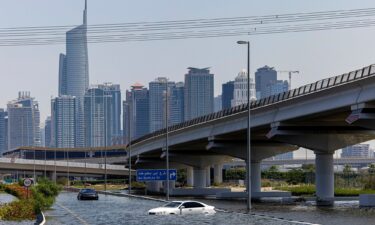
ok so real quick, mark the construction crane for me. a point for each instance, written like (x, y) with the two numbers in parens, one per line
(290, 72)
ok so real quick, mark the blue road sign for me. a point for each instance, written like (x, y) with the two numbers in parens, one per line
(156, 175)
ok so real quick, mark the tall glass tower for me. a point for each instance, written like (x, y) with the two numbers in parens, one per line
(74, 72)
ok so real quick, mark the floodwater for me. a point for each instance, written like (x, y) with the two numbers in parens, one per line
(123, 210)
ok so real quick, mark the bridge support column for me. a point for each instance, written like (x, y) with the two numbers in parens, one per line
(324, 178)
(153, 186)
(189, 176)
(208, 176)
(256, 182)
(218, 173)
(200, 177)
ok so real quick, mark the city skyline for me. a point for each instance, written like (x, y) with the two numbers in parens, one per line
(120, 63)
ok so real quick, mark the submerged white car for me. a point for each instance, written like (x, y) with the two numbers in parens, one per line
(183, 208)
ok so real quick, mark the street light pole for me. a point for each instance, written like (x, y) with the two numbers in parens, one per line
(248, 153)
(166, 136)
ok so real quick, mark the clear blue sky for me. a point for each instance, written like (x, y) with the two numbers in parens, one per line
(315, 54)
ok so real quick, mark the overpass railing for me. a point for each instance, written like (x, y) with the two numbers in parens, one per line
(317, 86)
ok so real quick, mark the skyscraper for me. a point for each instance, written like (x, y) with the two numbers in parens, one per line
(114, 91)
(63, 121)
(2, 131)
(276, 87)
(98, 117)
(74, 72)
(240, 89)
(227, 94)
(264, 76)
(157, 90)
(176, 114)
(199, 93)
(136, 112)
(217, 103)
(23, 122)
(47, 133)
(357, 151)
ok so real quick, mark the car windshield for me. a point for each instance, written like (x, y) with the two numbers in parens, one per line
(172, 205)
(87, 191)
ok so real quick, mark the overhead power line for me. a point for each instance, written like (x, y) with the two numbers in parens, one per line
(200, 28)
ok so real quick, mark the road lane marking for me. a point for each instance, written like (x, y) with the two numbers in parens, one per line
(73, 214)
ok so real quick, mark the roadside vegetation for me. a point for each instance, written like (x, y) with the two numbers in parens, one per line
(301, 181)
(29, 203)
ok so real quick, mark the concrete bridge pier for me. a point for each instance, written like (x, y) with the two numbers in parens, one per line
(255, 177)
(208, 176)
(154, 186)
(199, 176)
(218, 173)
(190, 176)
(324, 178)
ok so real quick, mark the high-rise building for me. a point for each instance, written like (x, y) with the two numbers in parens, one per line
(217, 103)
(264, 77)
(98, 117)
(136, 112)
(240, 89)
(176, 114)
(23, 122)
(227, 94)
(157, 93)
(199, 93)
(63, 121)
(47, 132)
(284, 156)
(357, 151)
(74, 72)
(114, 91)
(276, 87)
(2, 131)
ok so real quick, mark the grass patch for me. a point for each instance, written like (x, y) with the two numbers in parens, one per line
(309, 190)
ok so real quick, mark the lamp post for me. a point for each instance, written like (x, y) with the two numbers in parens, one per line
(248, 152)
(166, 135)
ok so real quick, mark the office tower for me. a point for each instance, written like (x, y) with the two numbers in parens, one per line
(276, 87)
(74, 72)
(176, 114)
(357, 151)
(136, 112)
(263, 77)
(217, 103)
(2, 131)
(98, 117)
(63, 121)
(240, 89)
(23, 122)
(284, 156)
(114, 91)
(47, 133)
(227, 94)
(199, 93)
(157, 93)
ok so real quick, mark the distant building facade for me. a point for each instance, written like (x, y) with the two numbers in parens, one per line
(217, 103)
(264, 76)
(3, 131)
(176, 114)
(63, 122)
(23, 122)
(227, 94)
(114, 90)
(136, 112)
(47, 133)
(277, 87)
(98, 117)
(199, 93)
(240, 89)
(357, 151)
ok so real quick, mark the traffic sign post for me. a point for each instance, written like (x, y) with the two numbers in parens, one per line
(27, 182)
(156, 175)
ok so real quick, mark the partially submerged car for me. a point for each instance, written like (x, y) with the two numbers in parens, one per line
(87, 194)
(183, 208)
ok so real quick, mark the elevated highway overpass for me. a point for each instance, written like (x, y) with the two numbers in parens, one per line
(323, 116)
